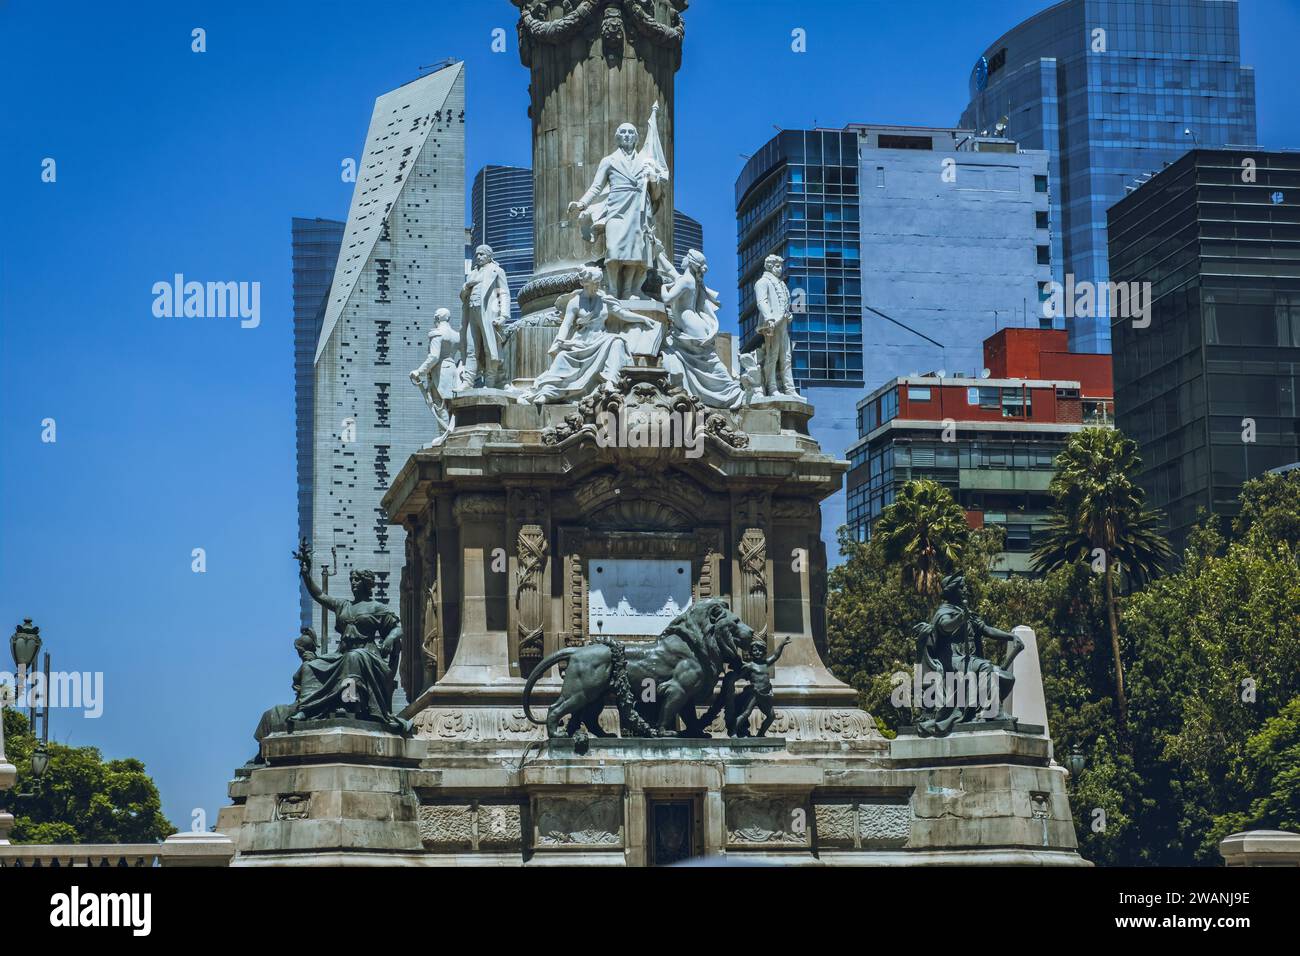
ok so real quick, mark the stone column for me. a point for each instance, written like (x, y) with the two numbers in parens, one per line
(482, 654)
(595, 64)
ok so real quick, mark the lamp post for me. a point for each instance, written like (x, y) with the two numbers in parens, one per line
(24, 645)
(1076, 761)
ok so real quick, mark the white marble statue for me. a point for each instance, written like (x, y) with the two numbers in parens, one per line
(690, 353)
(590, 348)
(618, 212)
(486, 300)
(773, 299)
(438, 376)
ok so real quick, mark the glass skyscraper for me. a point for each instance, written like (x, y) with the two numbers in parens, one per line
(316, 245)
(895, 266)
(688, 234)
(1113, 90)
(798, 196)
(1206, 383)
(501, 215)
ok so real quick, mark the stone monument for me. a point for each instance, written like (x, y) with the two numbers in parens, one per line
(628, 534)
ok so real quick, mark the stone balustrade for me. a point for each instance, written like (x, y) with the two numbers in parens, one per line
(181, 849)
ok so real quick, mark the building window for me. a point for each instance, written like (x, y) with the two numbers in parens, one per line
(887, 141)
(1040, 184)
(1016, 403)
(889, 406)
(1044, 255)
(918, 393)
(1040, 219)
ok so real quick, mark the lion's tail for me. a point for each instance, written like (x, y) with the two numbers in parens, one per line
(547, 663)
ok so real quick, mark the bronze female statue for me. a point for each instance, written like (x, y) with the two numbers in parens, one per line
(357, 680)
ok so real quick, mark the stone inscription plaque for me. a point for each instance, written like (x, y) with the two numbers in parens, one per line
(635, 597)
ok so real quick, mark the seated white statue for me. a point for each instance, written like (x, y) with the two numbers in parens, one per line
(690, 353)
(589, 350)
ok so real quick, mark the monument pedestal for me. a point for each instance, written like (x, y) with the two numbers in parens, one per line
(333, 792)
(344, 796)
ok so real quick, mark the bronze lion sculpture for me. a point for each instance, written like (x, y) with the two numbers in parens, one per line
(682, 666)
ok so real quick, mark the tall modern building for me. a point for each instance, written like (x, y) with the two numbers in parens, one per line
(990, 440)
(688, 234)
(402, 258)
(316, 244)
(1113, 90)
(909, 245)
(1208, 389)
(501, 215)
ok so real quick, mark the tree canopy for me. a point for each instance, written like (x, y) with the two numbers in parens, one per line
(82, 798)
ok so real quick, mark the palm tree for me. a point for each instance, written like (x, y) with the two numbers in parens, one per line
(1099, 516)
(923, 532)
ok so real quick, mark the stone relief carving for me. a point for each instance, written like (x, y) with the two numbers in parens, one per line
(884, 822)
(479, 506)
(529, 601)
(470, 826)
(579, 821)
(537, 26)
(781, 820)
(862, 824)
(752, 556)
(293, 806)
(447, 826)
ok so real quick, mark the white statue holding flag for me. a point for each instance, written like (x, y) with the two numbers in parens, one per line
(618, 212)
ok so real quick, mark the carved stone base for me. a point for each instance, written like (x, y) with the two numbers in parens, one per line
(331, 791)
(508, 723)
(480, 787)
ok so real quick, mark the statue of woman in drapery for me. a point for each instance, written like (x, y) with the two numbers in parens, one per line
(357, 680)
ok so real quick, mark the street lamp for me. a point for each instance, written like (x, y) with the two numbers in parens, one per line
(25, 645)
(1076, 761)
(40, 760)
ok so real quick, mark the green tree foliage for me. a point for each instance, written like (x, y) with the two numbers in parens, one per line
(923, 533)
(82, 798)
(1099, 517)
(1212, 652)
(880, 590)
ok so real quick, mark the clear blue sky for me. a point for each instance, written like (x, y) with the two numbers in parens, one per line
(175, 434)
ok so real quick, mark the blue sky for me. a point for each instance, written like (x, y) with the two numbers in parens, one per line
(175, 434)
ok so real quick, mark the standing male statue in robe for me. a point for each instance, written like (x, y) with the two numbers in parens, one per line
(438, 376)
(486, 297)
(772, 296)
(619, 210)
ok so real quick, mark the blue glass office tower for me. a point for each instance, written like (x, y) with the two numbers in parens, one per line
(688, 234)
(1113, 90)
(316, 245)
(799, 194)
(501, 215)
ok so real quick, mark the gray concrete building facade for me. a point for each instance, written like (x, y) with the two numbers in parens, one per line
(402, 258)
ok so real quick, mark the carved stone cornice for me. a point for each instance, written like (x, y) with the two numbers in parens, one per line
(474, 505)
(553, 22)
